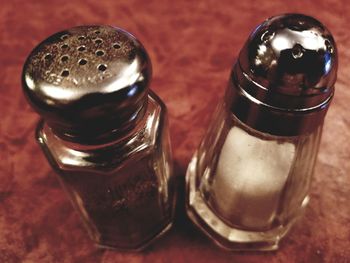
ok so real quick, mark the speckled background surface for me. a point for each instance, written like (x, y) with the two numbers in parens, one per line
(192, 45)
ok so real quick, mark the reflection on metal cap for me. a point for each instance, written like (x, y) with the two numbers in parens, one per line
(87, 80)
(284, 77)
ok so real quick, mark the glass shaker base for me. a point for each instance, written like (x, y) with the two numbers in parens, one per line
(140, 247)
(216, 229)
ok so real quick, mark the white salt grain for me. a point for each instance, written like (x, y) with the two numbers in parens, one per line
(251, 174)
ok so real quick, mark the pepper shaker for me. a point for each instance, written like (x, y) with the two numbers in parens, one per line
(104, 132)
(249, 180)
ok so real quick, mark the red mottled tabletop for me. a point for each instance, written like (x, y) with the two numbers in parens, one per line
(192, 45)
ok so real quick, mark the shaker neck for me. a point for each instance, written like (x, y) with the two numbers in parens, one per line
(104, 131)
(248, 104)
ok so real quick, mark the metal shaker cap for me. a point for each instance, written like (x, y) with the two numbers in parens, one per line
(88, 81)
(285, 74)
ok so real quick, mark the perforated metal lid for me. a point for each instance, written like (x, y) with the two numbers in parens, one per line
(284, 78)
(88, 80)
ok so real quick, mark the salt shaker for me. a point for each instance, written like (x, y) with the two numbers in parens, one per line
(104, 132)
(249, 180)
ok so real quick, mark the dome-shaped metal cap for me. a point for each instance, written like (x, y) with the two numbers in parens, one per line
(288, 65)
(87, 81)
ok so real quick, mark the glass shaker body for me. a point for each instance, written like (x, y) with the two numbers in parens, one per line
(245, 187)
(123, 189)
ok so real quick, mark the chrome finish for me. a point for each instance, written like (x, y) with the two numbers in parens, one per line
(249, 180)
(284, 78)
(88, 81)
(104, 132)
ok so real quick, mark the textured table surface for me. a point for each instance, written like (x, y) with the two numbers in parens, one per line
(192, 46)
